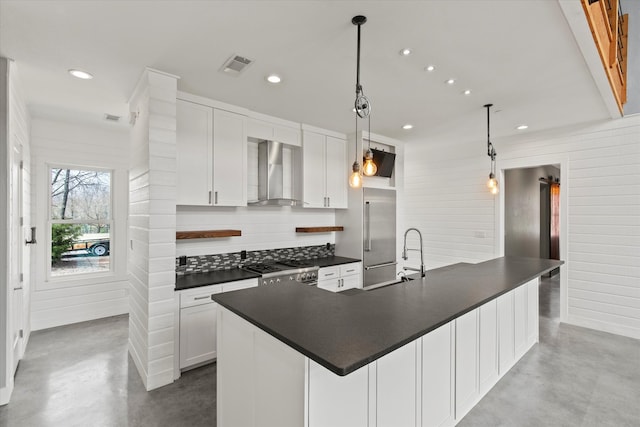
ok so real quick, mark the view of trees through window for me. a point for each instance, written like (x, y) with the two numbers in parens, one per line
(80, 220)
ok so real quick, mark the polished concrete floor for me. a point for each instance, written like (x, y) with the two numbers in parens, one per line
(80, 375)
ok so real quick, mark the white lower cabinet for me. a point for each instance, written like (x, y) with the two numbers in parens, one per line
(339, 278)
(336, 401)
(488, 346)
(198, 317)
(430, 382)
(506, 328)
(396, 384)
(467, 358)
(438, 377)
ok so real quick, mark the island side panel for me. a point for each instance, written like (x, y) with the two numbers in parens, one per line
(260, 380)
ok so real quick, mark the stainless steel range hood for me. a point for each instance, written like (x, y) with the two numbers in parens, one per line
(271, 176)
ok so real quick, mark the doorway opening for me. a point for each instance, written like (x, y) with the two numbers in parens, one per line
(531, 220)
(532, 224)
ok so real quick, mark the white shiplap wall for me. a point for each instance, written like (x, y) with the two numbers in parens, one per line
(447, 198)
(152, 227)
(68, 300)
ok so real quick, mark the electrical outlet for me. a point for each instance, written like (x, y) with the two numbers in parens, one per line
(243, 254)
(328, 246)
(182, 260)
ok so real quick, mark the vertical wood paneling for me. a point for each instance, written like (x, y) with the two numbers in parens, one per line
(447, 199)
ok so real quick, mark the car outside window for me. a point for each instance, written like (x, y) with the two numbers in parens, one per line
(80, 221)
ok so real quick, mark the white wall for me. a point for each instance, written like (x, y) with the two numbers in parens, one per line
(448, 200)
(152, 228)
(61, 300)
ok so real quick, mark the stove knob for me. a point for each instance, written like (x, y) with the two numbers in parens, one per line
(291, 278)
(313, 275)
(278, 280)
(271, 281)
(264, 282)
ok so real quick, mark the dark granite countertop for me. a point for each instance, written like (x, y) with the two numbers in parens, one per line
(212, 278)
(331, 261)
(344, 332)
(195, 280)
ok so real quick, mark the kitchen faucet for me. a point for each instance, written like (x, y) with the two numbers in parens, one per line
(405, 250)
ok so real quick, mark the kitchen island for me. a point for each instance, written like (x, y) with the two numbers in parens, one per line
(421, 352)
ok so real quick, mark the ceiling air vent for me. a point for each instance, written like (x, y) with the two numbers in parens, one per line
(236, 64)
(111, 117)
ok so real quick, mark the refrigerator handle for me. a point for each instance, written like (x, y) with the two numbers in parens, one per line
(367, 219)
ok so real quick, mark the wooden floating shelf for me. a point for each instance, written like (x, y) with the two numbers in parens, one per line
(206, 234)
(318, 229)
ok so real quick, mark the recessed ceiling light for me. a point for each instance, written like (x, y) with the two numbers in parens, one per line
(522, 127)
(467, 92)
(429, 68)
(450, 81)
(407, 126)
(274, 78)
(81, 74)
(405, 52)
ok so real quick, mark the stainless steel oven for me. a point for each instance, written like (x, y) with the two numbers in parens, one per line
(288, 271)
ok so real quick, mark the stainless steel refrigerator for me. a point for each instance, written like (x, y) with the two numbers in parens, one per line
(379, 236)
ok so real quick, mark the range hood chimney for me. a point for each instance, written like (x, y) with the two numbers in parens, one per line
(271, 176)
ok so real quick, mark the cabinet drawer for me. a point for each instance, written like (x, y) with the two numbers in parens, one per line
(198, 296)
(332, 285)
(329, 273)
(350, 269)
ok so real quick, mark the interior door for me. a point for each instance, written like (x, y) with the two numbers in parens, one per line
(17, 246)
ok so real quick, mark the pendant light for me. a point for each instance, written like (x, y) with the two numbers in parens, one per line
(492, 183)
(363, 110)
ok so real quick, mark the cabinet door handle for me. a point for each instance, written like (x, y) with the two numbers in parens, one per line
(209, 197)
(215, 197)
(328, 202)
(204, 297)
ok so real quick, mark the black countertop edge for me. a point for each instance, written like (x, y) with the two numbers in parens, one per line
(331, 261)
(195, 280)
(427, 295)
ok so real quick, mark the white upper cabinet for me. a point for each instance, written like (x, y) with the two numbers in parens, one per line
(261, 129)
(211, 156)
(229, 159)
(324, 170)
(194, 130)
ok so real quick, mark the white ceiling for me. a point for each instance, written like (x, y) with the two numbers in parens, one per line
(519, 55)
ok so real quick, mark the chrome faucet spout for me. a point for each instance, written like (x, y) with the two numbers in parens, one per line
(405, 250)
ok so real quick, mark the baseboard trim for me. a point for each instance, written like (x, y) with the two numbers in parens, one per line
(67, 316)
(603, 326)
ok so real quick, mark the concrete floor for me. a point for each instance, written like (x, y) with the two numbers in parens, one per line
(80, 375)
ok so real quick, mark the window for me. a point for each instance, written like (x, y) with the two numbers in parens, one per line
(80, 221)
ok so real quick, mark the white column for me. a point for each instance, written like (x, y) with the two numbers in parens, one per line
(152, 226)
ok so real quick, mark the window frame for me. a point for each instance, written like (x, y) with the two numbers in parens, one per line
(49, 221)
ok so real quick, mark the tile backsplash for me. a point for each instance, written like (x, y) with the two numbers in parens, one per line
(226, 261)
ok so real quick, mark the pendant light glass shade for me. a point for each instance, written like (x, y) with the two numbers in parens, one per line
(355, 179)
(369, 168)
